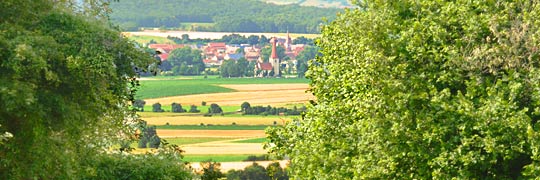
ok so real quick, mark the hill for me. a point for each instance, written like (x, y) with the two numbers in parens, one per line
(220, 15)
(316, 3)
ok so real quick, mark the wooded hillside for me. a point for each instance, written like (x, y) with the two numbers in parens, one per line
(226, 15)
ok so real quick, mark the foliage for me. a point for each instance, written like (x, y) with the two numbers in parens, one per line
(186, 61)
(156, 107)
(214, 109)
(211, 170)
(66, 79)
(236, 68)
(253, 172)
(244, 106)
(309, 53)
(275, 171)
(227, 15)
(422, 90)
(269, 110)
(193, 109)
(163, 165)
(138, 104)
(148, 137)
(176, 107)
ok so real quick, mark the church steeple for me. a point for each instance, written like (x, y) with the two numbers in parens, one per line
(288, 42)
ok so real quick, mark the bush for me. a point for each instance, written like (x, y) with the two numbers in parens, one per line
(177, 108)
(194, 109)
(154, 142)
(211, 170)
(245, 106)
(203, 103)
(137, 167)
(214, 109)
(157, 108)
(138, 104)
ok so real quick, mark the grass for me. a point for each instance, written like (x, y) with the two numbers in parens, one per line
(213, 127)
(193, 140)
(255, 140)
(216, 158)
(177, 87)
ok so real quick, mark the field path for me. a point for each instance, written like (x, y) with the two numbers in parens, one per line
(255, 94)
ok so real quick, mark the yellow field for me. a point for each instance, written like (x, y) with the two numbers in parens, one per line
(255, 94)
(166, 133)
(215, 120)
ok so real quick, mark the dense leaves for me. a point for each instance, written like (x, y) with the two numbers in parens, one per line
(66, 81)
(422, 90)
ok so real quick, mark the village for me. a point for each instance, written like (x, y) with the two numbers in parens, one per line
(278, 57)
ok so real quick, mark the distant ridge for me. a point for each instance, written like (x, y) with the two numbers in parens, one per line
(220, 15)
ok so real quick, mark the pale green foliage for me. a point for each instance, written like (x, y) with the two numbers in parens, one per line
(422, 90)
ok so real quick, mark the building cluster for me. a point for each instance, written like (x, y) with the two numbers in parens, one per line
(215, 53)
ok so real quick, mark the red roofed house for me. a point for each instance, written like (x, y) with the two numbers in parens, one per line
(165, 49)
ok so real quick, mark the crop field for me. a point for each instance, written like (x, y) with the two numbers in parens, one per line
(177, 87)
(213, 127)
(167, 133)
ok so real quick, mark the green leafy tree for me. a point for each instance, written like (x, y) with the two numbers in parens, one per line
(66, 82)
(138, 104)
(214, 109)
(186, 61)
(245, 106)
(193, 109)
(176, 107)
(156, 107)
(422, 90)
(211, 170)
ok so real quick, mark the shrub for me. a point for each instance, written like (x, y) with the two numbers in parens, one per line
(138, 104)
(214, 109)
(154, 142)
(203, 103)
(194, 109)
(177, 108)
(245, 106)
(157, 108)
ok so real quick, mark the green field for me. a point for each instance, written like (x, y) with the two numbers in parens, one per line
(164, 88)
(255, 140)
(213, 127)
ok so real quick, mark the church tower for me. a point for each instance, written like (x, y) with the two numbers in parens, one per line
(288, 42)
(274, 59)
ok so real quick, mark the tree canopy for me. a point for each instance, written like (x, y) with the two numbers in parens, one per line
(422, 90)
(66, 81)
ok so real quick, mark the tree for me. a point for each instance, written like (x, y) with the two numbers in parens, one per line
(175, 107)
(156, 107)
(214, 109)
(422, 90)
(67, 80)
(245, 106)
(138, 104)
(186, 61)
(309, 53)
(211, 170)
(194, 109)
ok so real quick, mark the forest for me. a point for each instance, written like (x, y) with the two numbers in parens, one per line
(223, 15)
